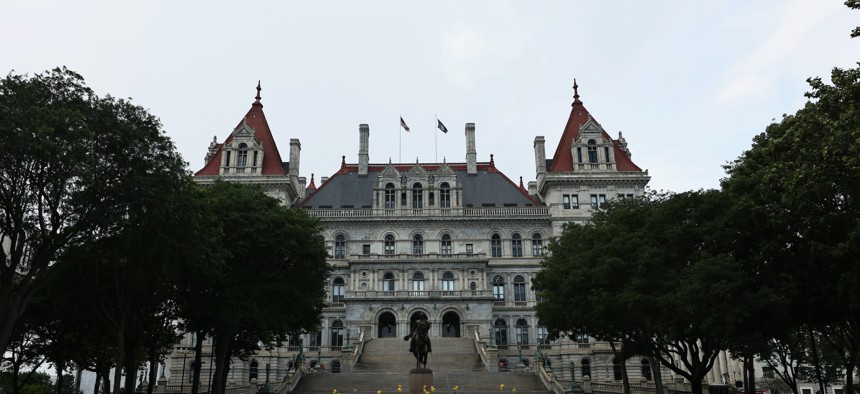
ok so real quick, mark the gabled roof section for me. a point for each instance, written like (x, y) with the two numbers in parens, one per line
(256, 120)
(562, 160)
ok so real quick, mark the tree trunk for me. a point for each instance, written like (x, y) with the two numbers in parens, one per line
(696, 386)
(60, 365)
(751, 368)
(106, 378)
(153, 372)
(658, 378)
(198, 361)
(78, 374)
(130, 376)
(120, 361)
(622, 362)
(97, 383)
(849, 379)
(221, 345)
(816, 361)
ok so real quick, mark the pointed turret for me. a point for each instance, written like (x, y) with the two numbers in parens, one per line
(255, 122)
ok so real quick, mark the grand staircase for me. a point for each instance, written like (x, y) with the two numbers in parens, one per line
(386, 363)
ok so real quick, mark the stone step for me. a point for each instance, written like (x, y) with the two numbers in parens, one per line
(443, 382)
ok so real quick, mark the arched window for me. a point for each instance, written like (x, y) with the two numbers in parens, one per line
(389, 244)
(390, 201)
(586, 367)
(522, 330)
(418, 281)
(516, 245)
(537, 245)
(417, 196)
(417, 244)
(646, 369)
(500, 328)
(445, 244)
(337, 290)
(616, 369)
(499, 289)
(388, 282)
(339, 246)
(444, 195)
(337, 333)
(252, 370)
(447, 281)
(592, 152)
(496, 245)
(242, 155)
(519, 289)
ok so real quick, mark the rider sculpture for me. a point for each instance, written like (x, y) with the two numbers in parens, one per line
(420, 344)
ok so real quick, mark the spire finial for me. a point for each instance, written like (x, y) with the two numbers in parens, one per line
(258, 90)
(575, 92)
(521, 183)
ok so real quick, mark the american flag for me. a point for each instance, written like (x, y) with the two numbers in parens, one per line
(403, 124)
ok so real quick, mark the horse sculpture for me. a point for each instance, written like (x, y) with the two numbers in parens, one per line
(420, 345)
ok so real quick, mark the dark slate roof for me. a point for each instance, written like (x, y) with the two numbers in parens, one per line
(346, 189)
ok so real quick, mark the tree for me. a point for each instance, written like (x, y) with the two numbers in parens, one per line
(801, 181)
(272, 281)
(657, 274)
(70, 171)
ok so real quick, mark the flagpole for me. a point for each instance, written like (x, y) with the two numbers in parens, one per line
(436, 140)
(400, 140)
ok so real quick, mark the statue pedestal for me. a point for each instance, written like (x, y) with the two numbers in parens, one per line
(418, 379)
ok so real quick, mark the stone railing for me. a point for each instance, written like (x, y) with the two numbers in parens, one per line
(549, 380)
(359, 347)
(398, 294)
(477, 212)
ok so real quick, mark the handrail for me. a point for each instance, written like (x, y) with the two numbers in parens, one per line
(359, 348)
(481, 350)
(548, 379)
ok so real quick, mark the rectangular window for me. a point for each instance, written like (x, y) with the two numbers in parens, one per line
(565, 201)
(807, 391)
(469, 249)
(430, 199)
(579, 154)
(365, 249)
(403, 199)
(574, 201)
(767, 372)
(597, 200)
(606, 154)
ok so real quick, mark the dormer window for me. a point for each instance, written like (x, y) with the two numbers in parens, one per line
(444, 195)
(390, 201)
(242, 156)
(592, 152)
(417, 196)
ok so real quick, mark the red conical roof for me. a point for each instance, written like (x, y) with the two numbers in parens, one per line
(256, 120)
(562, 161)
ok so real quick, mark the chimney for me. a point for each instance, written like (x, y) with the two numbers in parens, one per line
(295, 152)
(323, 180)
(471, 155)
(363, 158)
(533, 187)
(540, 155)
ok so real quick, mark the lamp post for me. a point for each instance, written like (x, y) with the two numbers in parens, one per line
(573, 385)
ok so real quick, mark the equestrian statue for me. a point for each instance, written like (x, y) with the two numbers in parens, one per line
(420, 344)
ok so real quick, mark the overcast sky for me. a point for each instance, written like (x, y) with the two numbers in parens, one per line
(689, 83)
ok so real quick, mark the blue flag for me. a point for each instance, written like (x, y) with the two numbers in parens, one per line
(441, 126)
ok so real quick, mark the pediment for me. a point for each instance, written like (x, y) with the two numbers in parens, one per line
(445, 170)
(591, 127)
(389, 172)
(417, 171)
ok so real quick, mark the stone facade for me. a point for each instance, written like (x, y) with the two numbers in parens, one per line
(457, 242)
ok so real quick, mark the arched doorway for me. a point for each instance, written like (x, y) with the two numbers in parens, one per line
(451, 324)
(415, 317)
(387, 325)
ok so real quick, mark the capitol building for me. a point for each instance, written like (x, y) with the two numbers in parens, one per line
(457, 242)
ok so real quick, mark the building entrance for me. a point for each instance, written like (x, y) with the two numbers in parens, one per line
(387, 325)
(451, 324)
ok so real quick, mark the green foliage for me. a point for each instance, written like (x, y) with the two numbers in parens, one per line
(75, 168)
(269, 280)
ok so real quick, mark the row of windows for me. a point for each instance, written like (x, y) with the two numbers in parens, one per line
(445, 245)
(571, 201)
(418, 284)
(591, 151)
(418, 196)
